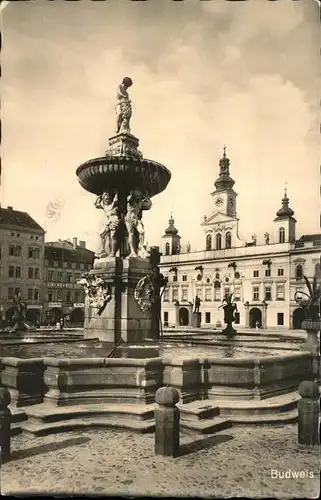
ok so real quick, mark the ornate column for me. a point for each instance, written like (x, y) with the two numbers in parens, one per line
(246, 314)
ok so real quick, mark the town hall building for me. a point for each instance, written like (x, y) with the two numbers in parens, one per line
(263, 278)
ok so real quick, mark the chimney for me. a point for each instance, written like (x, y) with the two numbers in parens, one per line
(82, 244)
(74, 243)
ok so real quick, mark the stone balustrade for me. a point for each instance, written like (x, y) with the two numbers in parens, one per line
(24, 379)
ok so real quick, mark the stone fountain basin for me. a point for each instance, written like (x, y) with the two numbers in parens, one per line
(123, 174)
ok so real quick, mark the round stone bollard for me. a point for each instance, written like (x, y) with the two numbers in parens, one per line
(5, 422)
(167, 422)
(308, 413)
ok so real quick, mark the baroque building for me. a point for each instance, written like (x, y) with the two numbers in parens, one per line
(22, 242)
(263, 277)
(64, 263)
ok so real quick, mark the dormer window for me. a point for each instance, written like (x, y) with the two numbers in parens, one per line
(218, 242)
(228, 240)
(167, 249)
(208, 242)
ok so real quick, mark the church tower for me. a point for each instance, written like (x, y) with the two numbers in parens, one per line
(284, 223)
(171, 239)
(221, 226)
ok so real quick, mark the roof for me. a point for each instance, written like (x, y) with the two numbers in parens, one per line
(64, 251)
(310, 237)
(11, 217)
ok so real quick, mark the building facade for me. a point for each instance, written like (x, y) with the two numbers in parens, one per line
(64, 263)
(262, 277)
(22, 242)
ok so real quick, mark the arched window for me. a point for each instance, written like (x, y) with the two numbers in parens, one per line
(167, 248)
(298, 272)
(218, 241)
(208, 242)
(228, 240)
(281, 235)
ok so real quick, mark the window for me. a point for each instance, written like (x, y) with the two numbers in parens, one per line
(59, 276)
(174, 277)
(10, 293)
(11, 271)
(255, 273)
(207, 317)
(36, 294)
(280, 291)
(34, 253)
(256, 292)
(208, 294)
(68, 297)
(68, 265)
(267, 273)
(16, 291)
(69, 277)
(76, 296)
(299, 272)
(218, 242)
(59, 295)
(280, 319)
(184, 294)
(29, 293)
(217, 291)
(184, 277)
(208, 242)
(18, 272)
(50, 275)
(280, 272)
(37, 273)
(237, 293)
(30, 272)
(49, 296)
(268, 292)
(237, 318)
(281, 235)
(174, 294)
(165, 318)
(166, 295)
(15, 250)
(228, 240)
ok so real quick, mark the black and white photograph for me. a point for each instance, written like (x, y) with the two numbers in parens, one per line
(160, 248)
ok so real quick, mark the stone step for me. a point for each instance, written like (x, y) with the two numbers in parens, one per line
(265, 407)
(46, 413)
(42, 429)
(206, 426)
(198, 410)
(282, 418)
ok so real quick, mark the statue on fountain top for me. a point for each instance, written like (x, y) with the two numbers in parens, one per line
(123, 107)
(109, 234)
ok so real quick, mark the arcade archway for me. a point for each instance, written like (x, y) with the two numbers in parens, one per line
(77, 316)
(183, 316)
(297, 318)
(54, 315)
(255, 317)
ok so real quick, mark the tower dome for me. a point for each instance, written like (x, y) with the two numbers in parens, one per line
(224, 180)
(285, 211)
(171, 228)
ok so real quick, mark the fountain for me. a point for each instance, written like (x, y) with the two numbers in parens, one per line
(229, 309)
(19, 316)
(123, 288)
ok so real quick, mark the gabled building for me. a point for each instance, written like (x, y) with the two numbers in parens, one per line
(21, 263)
(262, 275)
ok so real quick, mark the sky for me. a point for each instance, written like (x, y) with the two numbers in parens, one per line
(206, 74)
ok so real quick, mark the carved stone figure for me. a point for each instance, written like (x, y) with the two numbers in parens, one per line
(145, 292)
(109, 234)
(229, 308)
(123, 107)
(97, 290)
(19, 315)
(267, 238)
(136, 203)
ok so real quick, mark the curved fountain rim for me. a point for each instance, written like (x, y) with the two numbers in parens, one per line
(120, 159)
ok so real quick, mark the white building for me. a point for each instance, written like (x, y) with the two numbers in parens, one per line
(263, 278)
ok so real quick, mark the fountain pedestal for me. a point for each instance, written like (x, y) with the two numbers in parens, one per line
(127, 315)
(196, 319)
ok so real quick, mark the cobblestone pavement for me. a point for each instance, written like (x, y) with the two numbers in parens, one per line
(234, 462)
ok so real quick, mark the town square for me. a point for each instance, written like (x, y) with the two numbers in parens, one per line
(160, 249)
